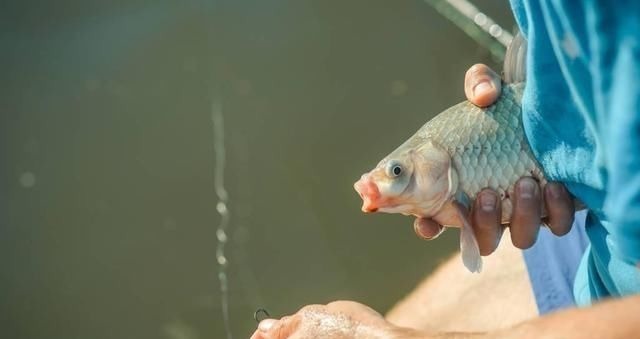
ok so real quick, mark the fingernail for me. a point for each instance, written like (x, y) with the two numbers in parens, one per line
(440, 231)
(266, 325)
(418, 227)
(556, 190)
(482, 88)
(527, 188)
(488, 202)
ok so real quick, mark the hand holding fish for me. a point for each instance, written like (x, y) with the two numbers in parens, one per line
(530, 200)
(469, 152)
(482, 87)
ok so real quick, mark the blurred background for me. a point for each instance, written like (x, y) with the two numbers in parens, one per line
(107, 200)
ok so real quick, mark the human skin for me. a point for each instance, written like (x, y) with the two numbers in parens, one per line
(461, 316)
(453, 299)
(482, 87)
(347, 319)
(498, 297)
(453, 303)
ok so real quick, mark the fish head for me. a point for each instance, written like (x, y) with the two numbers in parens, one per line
(412, 180)
(388, 185)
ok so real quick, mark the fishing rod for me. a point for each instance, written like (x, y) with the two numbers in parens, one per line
(479, 26)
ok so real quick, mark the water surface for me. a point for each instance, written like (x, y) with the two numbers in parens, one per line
(108, 206)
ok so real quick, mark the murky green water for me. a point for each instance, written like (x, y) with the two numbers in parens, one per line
(108, 207)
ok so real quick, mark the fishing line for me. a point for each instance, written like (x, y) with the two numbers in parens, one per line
(256, 315)
(461, 12)
(217, 120)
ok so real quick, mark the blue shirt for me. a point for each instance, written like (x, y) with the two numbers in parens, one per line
(581, 115)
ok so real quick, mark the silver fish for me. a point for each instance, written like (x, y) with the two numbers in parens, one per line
(447, 162)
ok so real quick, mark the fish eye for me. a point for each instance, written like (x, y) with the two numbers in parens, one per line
(394, 169)
(397, 170)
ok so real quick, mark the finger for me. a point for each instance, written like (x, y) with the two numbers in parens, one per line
(427, 229)
(525, 220)
(560, 208)
(482, 85)
(279, 329)
(257, 334)
(485, 219)
(264, 328)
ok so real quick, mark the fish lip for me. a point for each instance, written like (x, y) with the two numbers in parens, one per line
(368, 208)
(369, 193)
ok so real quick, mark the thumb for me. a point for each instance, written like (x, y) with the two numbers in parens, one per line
(482, 85)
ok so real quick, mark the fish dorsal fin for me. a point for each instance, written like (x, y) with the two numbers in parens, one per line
(468, 244)
(515, 60)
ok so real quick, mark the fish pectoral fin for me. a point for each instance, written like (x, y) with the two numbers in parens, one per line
(468, 244)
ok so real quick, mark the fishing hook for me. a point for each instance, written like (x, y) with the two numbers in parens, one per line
(256, 314)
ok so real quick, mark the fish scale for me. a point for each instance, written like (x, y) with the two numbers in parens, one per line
(487, 145)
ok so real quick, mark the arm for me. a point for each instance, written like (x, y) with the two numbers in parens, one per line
(343, 319)
(618, 114)
(610, 319)
(499, 297)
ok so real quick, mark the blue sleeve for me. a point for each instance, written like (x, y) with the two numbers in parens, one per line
(581, 115)
(614, 28)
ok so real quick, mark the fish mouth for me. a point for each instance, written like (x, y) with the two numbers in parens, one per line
(368, 191)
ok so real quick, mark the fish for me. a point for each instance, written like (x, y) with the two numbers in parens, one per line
(439, 170)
